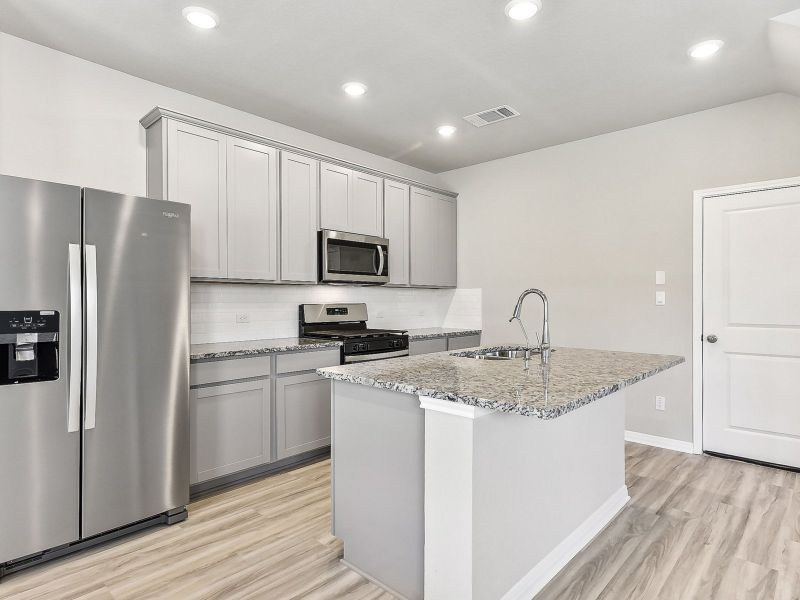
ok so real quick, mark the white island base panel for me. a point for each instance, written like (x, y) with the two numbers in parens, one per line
(439, 500)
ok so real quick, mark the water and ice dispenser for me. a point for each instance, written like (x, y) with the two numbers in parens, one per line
(28, 346)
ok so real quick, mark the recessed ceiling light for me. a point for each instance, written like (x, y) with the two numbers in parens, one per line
(446, 130)
(519, 10)
(354, 88)
(705, 49)
(200, 17)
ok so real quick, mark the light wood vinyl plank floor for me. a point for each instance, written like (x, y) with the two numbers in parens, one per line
(697, 528)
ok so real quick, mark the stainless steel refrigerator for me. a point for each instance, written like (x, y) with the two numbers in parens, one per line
(94, 366)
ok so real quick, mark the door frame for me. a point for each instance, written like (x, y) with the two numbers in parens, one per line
(697, 288)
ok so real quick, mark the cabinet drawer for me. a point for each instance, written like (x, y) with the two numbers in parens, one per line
(307, 361)
(228, 370)
(463, 341)
(229, 429)
(427, 346)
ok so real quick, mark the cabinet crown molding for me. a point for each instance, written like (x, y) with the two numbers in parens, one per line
(159, 112)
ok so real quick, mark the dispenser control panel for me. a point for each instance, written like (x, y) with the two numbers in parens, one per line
(28, 346)
(29, 321)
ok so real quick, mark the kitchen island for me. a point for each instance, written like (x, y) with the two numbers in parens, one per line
(456, 477)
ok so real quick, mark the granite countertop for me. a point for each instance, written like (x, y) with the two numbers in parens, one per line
(573, 378)
(257, 347)
(437, 332)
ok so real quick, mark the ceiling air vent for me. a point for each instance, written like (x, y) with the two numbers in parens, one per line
(492, 115)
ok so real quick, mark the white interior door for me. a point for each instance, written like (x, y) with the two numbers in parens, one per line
(751, 306)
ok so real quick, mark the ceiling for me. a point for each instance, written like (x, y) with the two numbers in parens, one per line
(577, 69)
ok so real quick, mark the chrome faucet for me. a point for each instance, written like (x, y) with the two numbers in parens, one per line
(545, 341)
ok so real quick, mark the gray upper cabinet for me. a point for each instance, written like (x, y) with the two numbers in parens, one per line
(249, 224)
(232, 186)
(366, 204)
(350, 200)
(252, 173)
(196, 171)
(396, 226)
(433, 239)
(446, 223)
(299, 205)
(334, 200)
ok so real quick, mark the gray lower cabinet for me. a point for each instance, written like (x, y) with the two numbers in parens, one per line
(229, 428)
(463, 341)
(440, 344)
(427, 346)
(302, 413)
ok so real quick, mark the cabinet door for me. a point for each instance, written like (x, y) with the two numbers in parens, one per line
(303, 413)
(252, 210)
(463, 341)
(229, 429)
(334, 199)
(423, 237)
(366, 205)
(299, 205)
(196, 175)
(416, 347)
(396, 215)
(445, 260)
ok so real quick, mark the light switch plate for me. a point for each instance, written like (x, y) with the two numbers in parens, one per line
(661, 277)
(661, 403)
(661, 298)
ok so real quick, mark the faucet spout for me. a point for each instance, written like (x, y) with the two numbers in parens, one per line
(545, 343)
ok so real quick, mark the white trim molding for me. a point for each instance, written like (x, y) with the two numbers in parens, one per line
(453, 408)
(697, 292)
(547, 568)
(659, 442)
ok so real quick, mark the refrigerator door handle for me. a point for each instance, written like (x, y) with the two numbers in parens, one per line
(75, 336)
(91, 337)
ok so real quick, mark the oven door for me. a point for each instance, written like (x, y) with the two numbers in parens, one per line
(353, 258)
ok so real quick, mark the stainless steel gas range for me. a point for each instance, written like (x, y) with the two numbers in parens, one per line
(348, 323)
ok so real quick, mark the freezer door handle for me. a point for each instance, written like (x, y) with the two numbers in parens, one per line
(75, 335)
(91, 336)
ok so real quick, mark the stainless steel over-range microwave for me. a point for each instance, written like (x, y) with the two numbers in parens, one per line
(352, 258)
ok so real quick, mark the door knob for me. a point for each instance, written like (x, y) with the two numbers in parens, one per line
(711, 339)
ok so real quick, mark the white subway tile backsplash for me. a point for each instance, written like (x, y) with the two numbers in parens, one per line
(273, 309)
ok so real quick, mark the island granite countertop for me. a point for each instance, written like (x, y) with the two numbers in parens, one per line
(573, 378)
(258, 347)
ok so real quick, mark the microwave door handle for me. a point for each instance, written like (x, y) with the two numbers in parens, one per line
(380, 260)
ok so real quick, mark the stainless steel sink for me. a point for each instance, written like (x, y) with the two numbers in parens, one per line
(501, 354)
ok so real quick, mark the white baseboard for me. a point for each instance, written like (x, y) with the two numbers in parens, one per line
(659, 442)
(547, 568)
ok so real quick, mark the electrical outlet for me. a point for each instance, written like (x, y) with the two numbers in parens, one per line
(661, 298)
(242, 317)
(661, 403)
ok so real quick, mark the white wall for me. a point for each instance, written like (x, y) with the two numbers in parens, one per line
(591, 221)
(68, 120)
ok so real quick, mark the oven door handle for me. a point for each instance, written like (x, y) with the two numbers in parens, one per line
(380, 260)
